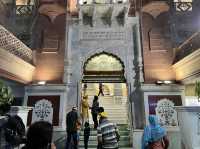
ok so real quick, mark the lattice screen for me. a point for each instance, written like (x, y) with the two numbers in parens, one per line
(10, 43)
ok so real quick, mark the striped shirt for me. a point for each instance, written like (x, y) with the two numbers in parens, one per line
(107, 132)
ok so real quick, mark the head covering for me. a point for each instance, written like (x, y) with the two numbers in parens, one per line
(85, 97)
(74, 108)
(103, 114)
(153, 132)
(101, 109)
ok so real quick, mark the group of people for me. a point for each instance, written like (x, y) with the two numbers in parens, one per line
(154, 136)
(102, 125)
(39, 134)
(107, 132)
(14, 135)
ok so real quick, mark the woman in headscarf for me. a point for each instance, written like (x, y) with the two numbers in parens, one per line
(85, 108)
(154, 136)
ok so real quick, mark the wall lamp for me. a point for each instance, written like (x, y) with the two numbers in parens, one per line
(161, 82)
(41, 82)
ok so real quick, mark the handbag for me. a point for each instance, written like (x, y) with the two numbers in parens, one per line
(78, 125)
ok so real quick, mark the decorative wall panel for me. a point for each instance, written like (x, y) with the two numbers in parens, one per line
(54, 100)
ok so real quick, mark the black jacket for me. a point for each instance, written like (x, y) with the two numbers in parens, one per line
(71, 121)
(95, 107)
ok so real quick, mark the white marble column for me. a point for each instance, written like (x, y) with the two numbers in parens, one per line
(189, 123)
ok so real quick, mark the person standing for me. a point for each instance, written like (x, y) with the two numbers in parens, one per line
(101, 89)
(95, 111)
(107, 133)
(86, 134)
(14, 131)
(85, 109)
(154, 136)
(39, 136)
(72, 123)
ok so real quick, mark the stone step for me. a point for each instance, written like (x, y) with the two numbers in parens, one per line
(94, 133)
(94, 143)
(121, 127)
(121, 116)
(114, 107)
(114, 121)
(94, 138)
(96, 148)
(108, 105)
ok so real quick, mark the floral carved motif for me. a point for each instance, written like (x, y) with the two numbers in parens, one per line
(42, 111)
(166, 113)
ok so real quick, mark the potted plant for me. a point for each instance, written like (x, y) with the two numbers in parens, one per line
(197, 90)
(6, 98)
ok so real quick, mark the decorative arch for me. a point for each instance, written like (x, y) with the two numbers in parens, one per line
(103, 66)
(155, 8)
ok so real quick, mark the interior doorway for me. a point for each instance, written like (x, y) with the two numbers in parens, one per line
(114, 99)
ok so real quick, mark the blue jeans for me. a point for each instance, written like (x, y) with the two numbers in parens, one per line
(8, 146)
(72, 135)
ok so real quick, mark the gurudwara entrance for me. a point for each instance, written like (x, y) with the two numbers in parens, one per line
(103, 76)
(105, 50)
(113, 99)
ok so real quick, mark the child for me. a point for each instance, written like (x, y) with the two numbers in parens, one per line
(86, 134)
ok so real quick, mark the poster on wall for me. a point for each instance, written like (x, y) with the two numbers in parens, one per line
(163, 107)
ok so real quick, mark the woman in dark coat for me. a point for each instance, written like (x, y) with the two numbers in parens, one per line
(95, 110)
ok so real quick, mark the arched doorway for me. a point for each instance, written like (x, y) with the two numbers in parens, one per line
(106, 69)
(103, 67)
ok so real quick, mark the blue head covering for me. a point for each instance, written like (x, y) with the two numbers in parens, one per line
(153, 132)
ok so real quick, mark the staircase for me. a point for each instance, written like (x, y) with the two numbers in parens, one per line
(116, 107)
(124, 142)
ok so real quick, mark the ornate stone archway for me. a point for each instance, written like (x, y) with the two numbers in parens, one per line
(103, 67)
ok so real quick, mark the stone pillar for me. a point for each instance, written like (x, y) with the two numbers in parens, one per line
(21, 111)
(139, 48)
(189, 123)
(67, 58)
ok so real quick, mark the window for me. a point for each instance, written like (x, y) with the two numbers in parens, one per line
(183, 5)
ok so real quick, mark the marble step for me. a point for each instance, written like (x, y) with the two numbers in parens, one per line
(94, 138)
(116, 121)
(96, 148)
(94, 133)
(113, 105)
(94, 143)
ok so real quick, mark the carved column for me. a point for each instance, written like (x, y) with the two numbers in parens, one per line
(67, 58)
(139, 48)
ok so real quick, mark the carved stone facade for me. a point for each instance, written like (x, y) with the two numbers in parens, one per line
(85, 41)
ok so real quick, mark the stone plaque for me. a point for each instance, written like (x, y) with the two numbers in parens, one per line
(102, 35)
(42, 111)
(166, 113)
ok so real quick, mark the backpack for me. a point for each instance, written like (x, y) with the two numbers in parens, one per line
(14, 130)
